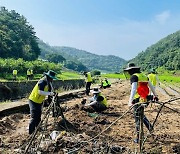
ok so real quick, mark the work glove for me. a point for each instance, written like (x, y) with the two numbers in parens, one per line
(131, 103)
(55, 93)
(83, 101)
(150, 98)
(156, 99)
(52, 93)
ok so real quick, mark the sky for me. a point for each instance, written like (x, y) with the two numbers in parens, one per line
(122, 28)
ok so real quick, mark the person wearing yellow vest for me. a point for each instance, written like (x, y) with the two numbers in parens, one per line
(140, 86)
(42, 89)
(153, 78)
(106, 83)
(14, 74)
(88, 82)
(98, 102)
(28, 74)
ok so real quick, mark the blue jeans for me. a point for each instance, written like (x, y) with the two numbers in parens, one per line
(35, 111)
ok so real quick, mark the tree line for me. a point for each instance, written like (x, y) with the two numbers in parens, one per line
(165, 53)
(38, 66)
(19, 47)
(17, 36)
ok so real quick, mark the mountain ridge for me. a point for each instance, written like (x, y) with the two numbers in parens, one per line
(165, 53)
(107, 63)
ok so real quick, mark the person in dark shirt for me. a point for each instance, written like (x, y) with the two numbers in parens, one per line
(42, 89)
(139, 93)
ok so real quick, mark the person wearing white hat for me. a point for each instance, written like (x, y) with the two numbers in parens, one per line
(98, 102)
(42, 89)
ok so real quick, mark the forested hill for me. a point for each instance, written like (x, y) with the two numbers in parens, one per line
(92, 61)
(165, 53)
(17, 36)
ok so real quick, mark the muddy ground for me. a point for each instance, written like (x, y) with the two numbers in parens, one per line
(81, 133)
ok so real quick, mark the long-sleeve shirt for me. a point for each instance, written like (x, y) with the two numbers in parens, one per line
(134, 86)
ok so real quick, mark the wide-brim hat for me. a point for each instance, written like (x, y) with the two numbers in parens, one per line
(95, 91)
(131, 66)
(51, 74)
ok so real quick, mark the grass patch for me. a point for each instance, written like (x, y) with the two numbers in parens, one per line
(115, 76)
(22, 77)
(170, 79)
(69, 75)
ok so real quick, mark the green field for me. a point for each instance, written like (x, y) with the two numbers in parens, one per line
(115, 76)
(69, 75)
(169, 79)
(22, 77)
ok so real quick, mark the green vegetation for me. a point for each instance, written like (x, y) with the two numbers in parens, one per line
(92, 61)
(80, 57)
(68, 61)
(115, 76)
(38, 66)
(165, 53)
(17, 37)
(95, 72)
(60, 76)
(55, 58)
(20, 48)
(76, 66)
(169, 78)
(69, 75)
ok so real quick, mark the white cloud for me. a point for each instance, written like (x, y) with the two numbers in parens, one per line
(163, 17)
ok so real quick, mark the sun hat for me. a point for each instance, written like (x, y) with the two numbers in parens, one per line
(95, 90)
(131, 66)
(51, 74)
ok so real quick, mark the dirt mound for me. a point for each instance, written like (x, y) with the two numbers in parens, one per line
(6, 124)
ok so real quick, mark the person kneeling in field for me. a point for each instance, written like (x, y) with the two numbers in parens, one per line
(105, 84)
(98, 102)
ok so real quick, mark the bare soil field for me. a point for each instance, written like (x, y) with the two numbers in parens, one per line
(109, 132)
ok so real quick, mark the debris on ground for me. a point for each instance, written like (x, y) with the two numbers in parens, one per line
(84, 132)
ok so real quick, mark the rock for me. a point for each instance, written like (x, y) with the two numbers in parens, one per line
(54, 134)
(117, 149)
